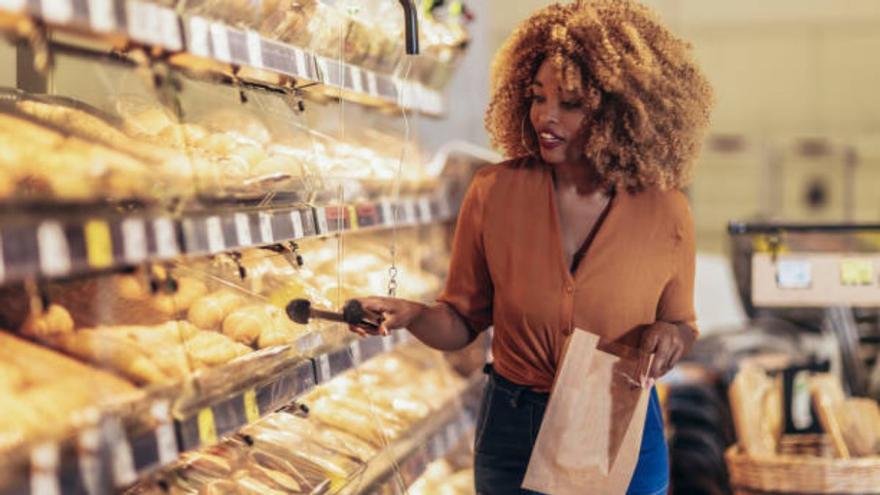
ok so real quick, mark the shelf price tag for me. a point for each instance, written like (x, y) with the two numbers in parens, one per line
(170, 32)
(134, 240)
(102, 17)
(220, 42)
(99, 246)
(44, 470)
(856, 272)
(216, 243)
(387, 213)
(124, 472)
(57, 11)
(794, 274)
(255, 49)
(357, 79)
(301, 64)
(166, 442)
(251, 408)
(198, 37)
(266, 232)
(88, 445)
(296, 219)
(207, 427)
(243, 230)
(353, 217)
(324, 364)
(53, 249)
(425, 209)
(372, 84)
(323, 226)
(356, 357)
(166, 240)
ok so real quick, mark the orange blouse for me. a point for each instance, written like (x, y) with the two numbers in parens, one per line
(508, 269)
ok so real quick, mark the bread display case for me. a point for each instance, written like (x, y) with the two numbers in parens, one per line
(173, 176)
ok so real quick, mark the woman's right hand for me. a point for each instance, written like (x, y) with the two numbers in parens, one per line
(396, 314)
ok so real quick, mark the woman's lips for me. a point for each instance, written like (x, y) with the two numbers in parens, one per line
(549, 141)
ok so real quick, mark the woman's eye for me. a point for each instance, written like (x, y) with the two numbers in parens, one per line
(571, 105)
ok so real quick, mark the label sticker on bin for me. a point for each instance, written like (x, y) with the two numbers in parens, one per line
(243, 230)
(102, 15)
(251, 408)
(198, 37)
(44, 470)
(99, 246)
(220, 42)
(854, 271)
(255, 49)
(207, 427)
(53, 249)
(794, 274)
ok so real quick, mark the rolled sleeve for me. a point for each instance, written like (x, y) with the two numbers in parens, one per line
(677, 300)
(469, 290)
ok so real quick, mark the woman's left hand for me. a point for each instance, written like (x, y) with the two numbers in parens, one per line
(668, 342)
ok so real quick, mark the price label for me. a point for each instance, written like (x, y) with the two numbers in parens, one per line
(216, 243)
(387, 212)
(353, 217)
(255, 49)
(166, 240)
(166, 442)
(409, 209)
(57, 11)
(44, 470)
(123, 460)
(387, 343)
(321, 214)
(296, 219)
(53, 249)
(198, 37)
(220, 42)
(207, 427)
(142, 24)
(324, 364)
(88, 443)
(324, 69)
(102, 17)
(170, 32)
(356, 357)
(251, 408)
(309, 342)
(425, 209)
(266, 232)
(794, 274)
(134, 240)
(372, 83)
(13, 5)
(99, 246)
(856, 272)
(301, 67)
(357, 79)
(243, 229)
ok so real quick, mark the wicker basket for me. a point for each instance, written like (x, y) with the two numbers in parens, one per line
(802, 474)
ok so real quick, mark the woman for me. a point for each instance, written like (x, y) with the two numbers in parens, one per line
(602, 111)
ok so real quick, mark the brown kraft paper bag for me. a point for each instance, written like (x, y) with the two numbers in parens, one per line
(591, 435)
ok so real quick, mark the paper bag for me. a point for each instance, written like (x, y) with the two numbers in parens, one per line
(591, 435)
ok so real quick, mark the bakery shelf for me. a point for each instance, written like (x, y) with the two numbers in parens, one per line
(229, 49)
(59, 245)
(109, 453)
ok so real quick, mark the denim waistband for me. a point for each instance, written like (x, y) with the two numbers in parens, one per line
(516, 392)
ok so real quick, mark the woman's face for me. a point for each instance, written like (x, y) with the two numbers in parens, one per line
(558, 117)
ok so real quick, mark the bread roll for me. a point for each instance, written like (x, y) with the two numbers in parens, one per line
(209, 311)
(246, 324)
(207, 349)
(188, 290)
(54, 321)
(117, 353)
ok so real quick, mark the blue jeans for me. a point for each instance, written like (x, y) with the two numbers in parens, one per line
(507, 427)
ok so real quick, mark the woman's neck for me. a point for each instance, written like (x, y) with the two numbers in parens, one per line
(580, 176)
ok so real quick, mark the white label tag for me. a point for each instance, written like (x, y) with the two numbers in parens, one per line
(44, 470)
(323, 227)
(324, 363)
(165, 440)
(309, 342)
(255, 49)
(102, 17)
(89, 443)
(220, 42)
(794, 274)
(387, 343)
(53, 249)
(425, 209)
(198, 37)
(324, 68)
(13, 5)
(243, 230)
(409, 209)
(216, 243)
(266, 227)
(356, 357)
(372, 83)
(166, 241)
(57, 11)
(134, 240)
(357, 79)
(296, 220)
(139, 21)
(387, 213)
(301, 68)
(170, 32)
(123, 460)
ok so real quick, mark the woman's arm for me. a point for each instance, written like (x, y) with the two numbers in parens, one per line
(436, 325)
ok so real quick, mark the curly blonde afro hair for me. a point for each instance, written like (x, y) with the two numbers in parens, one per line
(649, 102)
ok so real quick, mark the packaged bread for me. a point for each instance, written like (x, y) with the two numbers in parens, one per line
(828, 398)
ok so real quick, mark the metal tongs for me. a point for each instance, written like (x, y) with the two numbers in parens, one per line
(353, 313)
